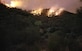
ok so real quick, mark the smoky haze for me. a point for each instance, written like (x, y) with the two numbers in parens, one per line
(69, 5)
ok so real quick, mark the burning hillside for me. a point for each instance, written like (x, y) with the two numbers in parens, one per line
(68, 5)
(54, 11)
(13, 3)
(37, 6)
(20, 31)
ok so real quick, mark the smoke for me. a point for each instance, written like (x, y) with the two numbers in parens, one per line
(69, 5)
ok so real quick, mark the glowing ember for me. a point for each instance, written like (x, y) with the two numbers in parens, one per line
(37, 11)
(14, 4)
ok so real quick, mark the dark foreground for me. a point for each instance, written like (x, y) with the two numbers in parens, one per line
(21, 31)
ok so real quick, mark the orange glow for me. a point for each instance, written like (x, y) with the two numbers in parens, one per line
(7, 5)
(14, 4)
(51, 11)
(59, 11)
(55, 11)
(37, 11)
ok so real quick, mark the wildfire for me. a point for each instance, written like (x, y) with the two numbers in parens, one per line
(13, 4)
(58, 12)
(51, 11)
(54, 11)
(37, 11)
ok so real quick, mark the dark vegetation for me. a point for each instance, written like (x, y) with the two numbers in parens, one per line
(21, 31)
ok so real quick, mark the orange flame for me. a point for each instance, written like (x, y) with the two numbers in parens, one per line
(51, 11)
(37, 11)
(14, 4)
(54, 11)
(58, 12)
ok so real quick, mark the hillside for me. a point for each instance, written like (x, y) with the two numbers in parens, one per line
(22, 31)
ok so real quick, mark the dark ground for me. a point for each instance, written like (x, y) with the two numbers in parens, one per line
(22, 31)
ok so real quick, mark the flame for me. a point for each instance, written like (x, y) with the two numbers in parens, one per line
(54, 11)
(7, 5)
(14, 4)
(37, 11)
(51, 11)
(58, 12)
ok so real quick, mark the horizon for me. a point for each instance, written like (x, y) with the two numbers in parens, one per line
(68, 5)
